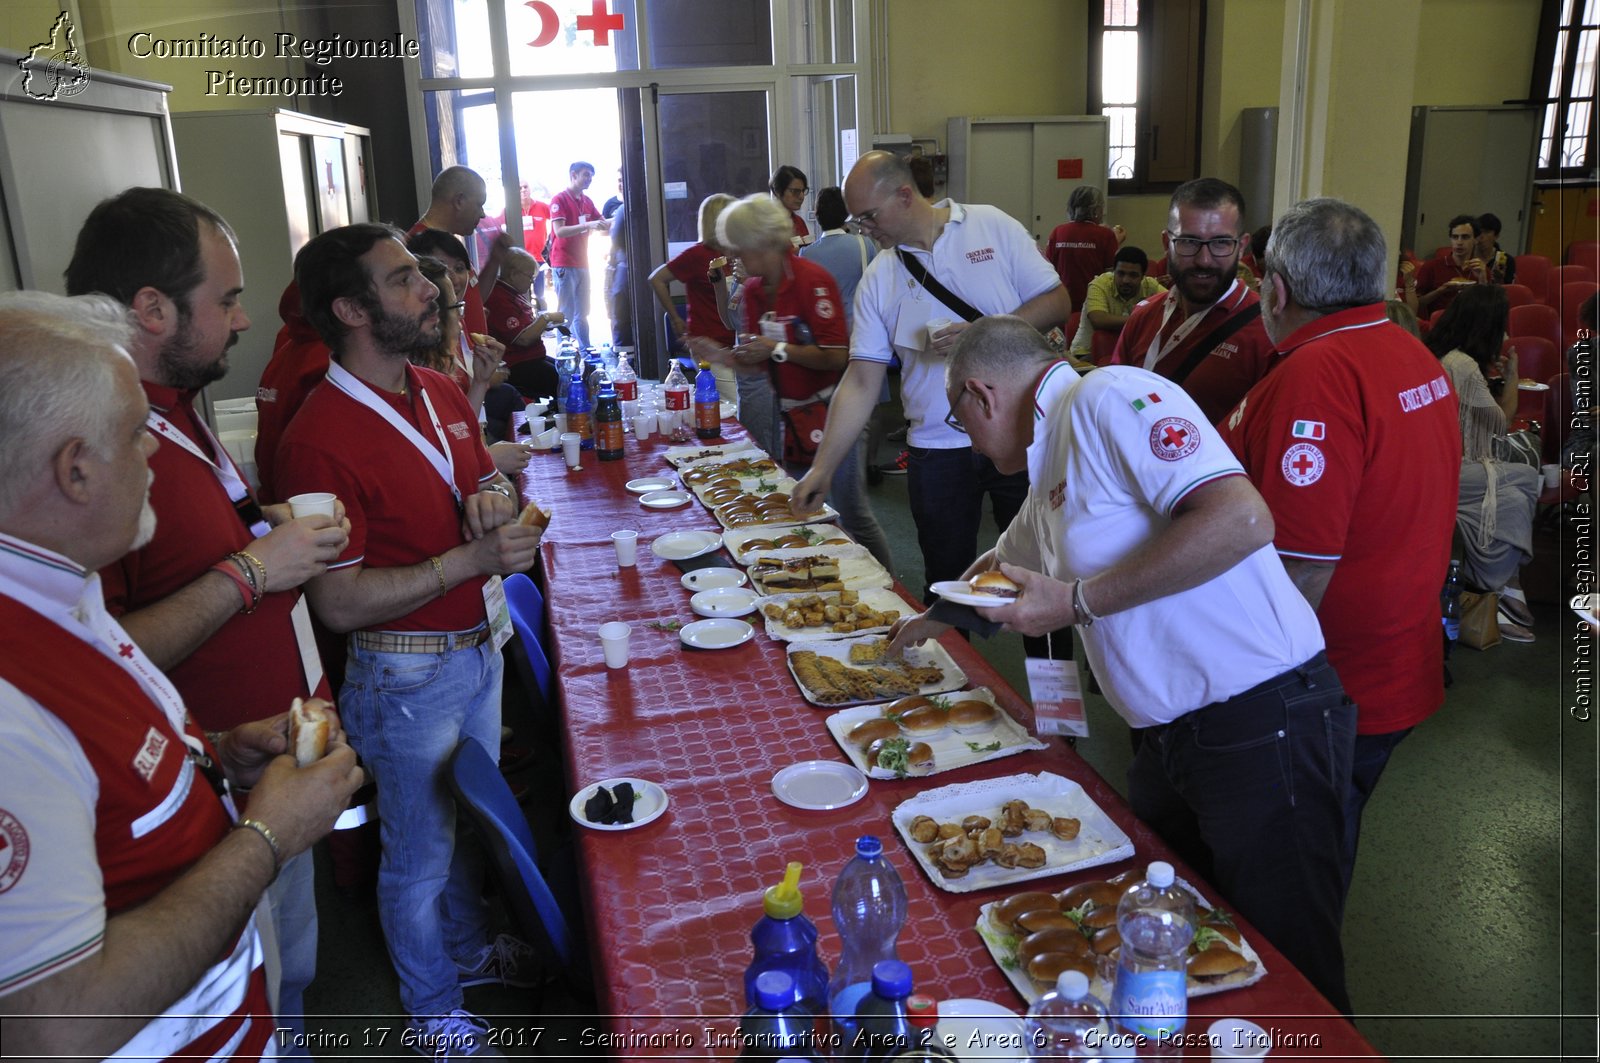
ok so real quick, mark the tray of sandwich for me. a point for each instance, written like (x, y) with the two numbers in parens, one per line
(744, 543)
(837, 568)
(920, 735)
(681, 457)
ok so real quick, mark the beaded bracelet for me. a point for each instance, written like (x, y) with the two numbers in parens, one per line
(271, 840)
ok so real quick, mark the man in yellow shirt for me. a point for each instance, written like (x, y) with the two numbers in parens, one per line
(1110, 298)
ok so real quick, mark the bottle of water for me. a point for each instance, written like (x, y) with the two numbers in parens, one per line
(869, 907)
(1156, 921)
(777, 1026)
(707, 404)
(883, 1022)
(1067, 1023)
(675, 395)
(626, 381)
(785, 940)
(1450, 606)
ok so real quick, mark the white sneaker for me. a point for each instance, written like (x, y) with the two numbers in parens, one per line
(507, 961)
(454, 1036)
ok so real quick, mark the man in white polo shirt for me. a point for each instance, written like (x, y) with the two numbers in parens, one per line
(1142, 530)
(987, 261)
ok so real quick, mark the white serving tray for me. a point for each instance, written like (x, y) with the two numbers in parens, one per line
(858, 569)
(1099, 840)
(736, 538)
(929, 654)
(878, 599)
(682, 457)
(950, 750)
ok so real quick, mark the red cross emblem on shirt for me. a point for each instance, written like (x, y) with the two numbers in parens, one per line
(600, 22)
(125, 650)
(1172, 438)
(1303, 464)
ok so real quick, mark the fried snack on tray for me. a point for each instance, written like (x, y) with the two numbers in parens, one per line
(959, 847)
(841, 613)
(832, 682)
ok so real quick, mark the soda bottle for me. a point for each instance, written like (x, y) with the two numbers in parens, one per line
(625, 379)
(607, 423)
(1066, 1023)
(922, 1011)
(1450, 606)
(707, 404)
(1150, 998)
(675, 400)
(777, 1026)
(578, 410)
(883, 1022)
(785, 940)
(869, 907)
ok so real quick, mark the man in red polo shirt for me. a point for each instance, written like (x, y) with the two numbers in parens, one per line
(1083, 247)
(1439, 279)
(1204, 334)
(299, 362)
(216, 590)
(456, 206)
(1353, 440)
(432, 527)
(573, 216)
(128, 886)
(514, 322)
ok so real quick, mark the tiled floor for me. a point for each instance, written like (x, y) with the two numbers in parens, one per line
(1471, 926)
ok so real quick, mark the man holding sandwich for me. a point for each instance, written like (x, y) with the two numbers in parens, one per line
(1141, 529)
(126, 880)
(432, 527)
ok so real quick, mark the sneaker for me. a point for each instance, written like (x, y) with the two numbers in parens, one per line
(514, 758)
(453, 1036)
(897, 467)
(507, 961)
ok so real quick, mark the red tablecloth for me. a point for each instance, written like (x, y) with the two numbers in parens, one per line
(671, 904)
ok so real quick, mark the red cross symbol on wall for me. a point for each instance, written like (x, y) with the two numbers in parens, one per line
(1303, 464)
(600, 22)
(125, 650)
(1174, 437)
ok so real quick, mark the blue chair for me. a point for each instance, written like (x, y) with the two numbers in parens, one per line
(526, 605)
(482, 793)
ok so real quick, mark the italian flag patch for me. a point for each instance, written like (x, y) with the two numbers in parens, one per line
(1149, 400)
(1309, 430)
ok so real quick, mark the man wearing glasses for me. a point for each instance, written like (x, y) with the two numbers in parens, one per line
(1205, 333)
(988, 262)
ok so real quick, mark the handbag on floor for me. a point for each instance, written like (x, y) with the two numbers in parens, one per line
(1480, 619)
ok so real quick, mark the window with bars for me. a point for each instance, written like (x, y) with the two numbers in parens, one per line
(1564, 86)
(1144, 76)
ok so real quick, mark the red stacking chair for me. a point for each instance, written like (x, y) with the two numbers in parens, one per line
(1520, 294)
(1073, 320)
(1101, 344)
(1562, 276)
(1568, 303)
(1534, 271)
(1536, 360)
(1584, 253)
(1536, 319)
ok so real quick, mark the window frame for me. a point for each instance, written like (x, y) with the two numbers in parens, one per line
(1550, 27)
(1158, 22)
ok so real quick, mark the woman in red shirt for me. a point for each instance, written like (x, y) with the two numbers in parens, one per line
(790, 187)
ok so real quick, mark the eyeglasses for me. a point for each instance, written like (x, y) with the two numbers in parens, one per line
(1219, 246)
(866, 216)
(951, 419)
(801, 191)
(459, 306)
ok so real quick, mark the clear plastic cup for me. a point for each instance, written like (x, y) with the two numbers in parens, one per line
(312, 504)
(627, 544)
(614, 643)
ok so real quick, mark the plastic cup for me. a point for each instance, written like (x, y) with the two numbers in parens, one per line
(936, 326)
(1552, 475)
(614, 643)
(643, 425)
(1238, 1039)
(571, 446)
(627, 544)
(313, 504)
(561, 424)
(547, 439)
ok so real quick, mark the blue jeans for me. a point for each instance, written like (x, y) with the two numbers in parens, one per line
(1250, 792)
(1371, 757)
(572, 299)
(293, 898)
(946, 489)
(758, 412)
(405, 713)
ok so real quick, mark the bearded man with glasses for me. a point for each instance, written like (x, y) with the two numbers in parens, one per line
(1205, 333)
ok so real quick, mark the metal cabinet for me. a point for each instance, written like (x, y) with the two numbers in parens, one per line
(1027, 165)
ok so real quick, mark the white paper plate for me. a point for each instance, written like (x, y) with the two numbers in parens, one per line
(981, 1030)
(1531, 385)
(819, 785)
(719, 634)
(649, 802)
(929, 654)
(664, 499)
(724, 602)
(709, 579)
(1099, 840)
(957, 590)
(682, 545)
(951, 749)
(646, 484)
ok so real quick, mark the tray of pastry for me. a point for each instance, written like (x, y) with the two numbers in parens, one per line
(919, 735)
(831, 614)
(837, 568)
(996, 832)
(746, 509)
(857, 671)
(745, 543)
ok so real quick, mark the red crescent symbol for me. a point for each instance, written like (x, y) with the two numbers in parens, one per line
(549, 23)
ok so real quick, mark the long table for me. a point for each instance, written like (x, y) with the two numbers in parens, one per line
(671, 904)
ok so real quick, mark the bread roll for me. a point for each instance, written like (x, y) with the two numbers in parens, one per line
(309, 725)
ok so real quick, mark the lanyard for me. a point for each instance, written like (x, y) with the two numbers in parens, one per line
(441, 458)
(464, 355)
(226, 473)
(1159, 350)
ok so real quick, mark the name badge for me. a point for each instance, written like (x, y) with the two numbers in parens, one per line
(306, 641)
(496, 609)
(1057, 697)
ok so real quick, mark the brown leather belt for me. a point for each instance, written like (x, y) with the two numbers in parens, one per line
(401, 642)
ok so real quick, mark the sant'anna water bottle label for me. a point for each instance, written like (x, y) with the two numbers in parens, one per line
(1153, 1004)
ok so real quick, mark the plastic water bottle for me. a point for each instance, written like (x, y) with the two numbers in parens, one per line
(608, 423)
(1156, 921)
(578, 410)
(675, 401)
(777, 1026)
(1067, 1023)
(1450, 606)
(785, 940)
(883, 1022)
(922, 1011)
(707, 404)
(626, 379)
(869, 908)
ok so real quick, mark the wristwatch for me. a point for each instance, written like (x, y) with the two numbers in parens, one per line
(780, 353)
(500, 489)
